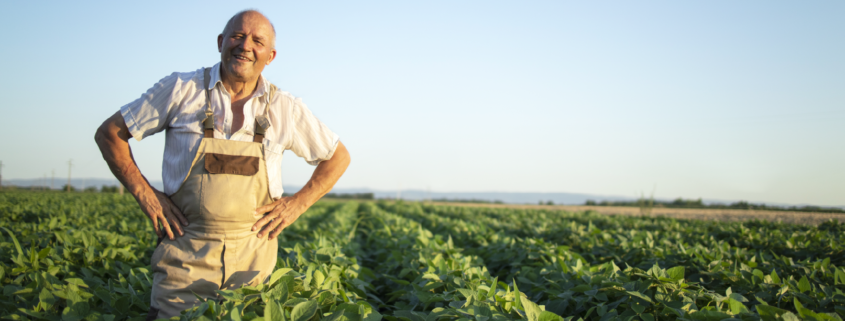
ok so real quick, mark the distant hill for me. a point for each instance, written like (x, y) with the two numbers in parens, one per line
(77, 183)
(505, 197)
(512, 197)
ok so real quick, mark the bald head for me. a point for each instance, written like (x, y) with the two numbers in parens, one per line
(250, 14)
(246, 46)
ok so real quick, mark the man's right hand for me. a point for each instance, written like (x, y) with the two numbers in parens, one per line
(112, 138)
(160, 209)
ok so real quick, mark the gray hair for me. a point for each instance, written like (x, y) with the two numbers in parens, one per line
(228, 27)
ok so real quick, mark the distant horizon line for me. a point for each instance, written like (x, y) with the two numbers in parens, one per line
(520, 197)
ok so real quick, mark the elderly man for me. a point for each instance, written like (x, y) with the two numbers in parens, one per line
(222, 206)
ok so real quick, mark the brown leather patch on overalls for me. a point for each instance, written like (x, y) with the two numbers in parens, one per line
(231, 164)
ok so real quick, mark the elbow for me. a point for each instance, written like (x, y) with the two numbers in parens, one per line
(345, 158)
(112, 130)
(100, 136)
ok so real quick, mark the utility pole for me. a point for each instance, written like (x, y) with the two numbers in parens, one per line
(53, 180)
(69, 165)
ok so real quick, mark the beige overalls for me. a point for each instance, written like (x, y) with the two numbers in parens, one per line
(226, 183)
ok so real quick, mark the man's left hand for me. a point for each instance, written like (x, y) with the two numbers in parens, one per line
(279, 215)
(284, 211)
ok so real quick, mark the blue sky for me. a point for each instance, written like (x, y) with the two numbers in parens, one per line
(713, 99)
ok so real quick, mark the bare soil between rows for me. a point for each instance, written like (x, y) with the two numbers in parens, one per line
(725, 215)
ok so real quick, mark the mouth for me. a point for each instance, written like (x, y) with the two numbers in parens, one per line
(242, 58)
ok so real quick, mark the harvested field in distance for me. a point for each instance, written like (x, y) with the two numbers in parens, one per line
(725, 215)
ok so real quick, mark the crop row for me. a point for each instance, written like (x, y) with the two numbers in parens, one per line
(75, 257)
(753, 263)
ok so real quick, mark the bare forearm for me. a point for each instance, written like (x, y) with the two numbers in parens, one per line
(325, 176)
(112, 139)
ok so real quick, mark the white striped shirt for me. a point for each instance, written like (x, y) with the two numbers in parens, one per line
(176, 101)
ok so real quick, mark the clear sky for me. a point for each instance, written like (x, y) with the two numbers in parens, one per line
(714, 99)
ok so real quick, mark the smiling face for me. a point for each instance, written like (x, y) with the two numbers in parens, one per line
(246, 46)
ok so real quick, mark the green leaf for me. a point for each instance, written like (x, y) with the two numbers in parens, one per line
(676, 273)
(517, 296)
(736, 306)
(775, 277)
(467, 293)
(368, 313)
(737, 297)
(304, 311)
(709, 315)
(274, 311)
(309, 276)
(640, 295)
(235, 314)
(839, 276)
(351, 312)
(532, 310)
(398, 281)
(14, 240)
(77, 282)
(344, 312)
(294, 302)
(812, 315)
(770, 313)
(581, 288)
(230, 295)
(492, 292)
(324, 254)
(431, 276)
(549, 316)
(804, 284)
(280, 292)
(647, 317)
(278, 274)
(410, 315)
(789, 316)
(639, 308)
(46, 299)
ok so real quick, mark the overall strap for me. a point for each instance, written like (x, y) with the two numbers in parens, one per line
(263, 122)
(208, 123)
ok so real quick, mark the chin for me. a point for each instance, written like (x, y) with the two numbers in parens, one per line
(239, 72)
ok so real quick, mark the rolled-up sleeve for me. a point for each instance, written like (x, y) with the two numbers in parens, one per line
(312, 140)
(149, 114)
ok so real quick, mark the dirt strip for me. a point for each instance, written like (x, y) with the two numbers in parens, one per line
(729, 215)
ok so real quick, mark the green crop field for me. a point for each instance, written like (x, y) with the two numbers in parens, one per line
(75, 256)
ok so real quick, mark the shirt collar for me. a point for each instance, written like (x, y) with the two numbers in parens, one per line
(262, 88)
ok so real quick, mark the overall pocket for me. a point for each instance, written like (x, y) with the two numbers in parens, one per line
(228, 187)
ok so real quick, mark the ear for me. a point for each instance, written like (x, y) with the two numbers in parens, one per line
(272, 56)
(220, 43)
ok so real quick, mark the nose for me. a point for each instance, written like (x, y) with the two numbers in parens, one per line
(247, 44)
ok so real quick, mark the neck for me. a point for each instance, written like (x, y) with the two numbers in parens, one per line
(238, 88)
